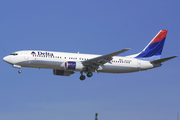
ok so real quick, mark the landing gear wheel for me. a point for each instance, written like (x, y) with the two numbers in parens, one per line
(89, 74)
(82, 77)
(20, 71)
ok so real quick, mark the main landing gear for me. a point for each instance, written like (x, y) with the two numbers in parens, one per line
(82, 77)
(89, 74)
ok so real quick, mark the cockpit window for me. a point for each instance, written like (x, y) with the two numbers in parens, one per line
(14, 54)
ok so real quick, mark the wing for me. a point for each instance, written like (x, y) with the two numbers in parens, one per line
(100, 61)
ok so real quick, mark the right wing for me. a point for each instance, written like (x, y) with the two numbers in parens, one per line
(94, 63)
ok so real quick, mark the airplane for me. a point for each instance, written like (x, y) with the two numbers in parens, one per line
(65, 64)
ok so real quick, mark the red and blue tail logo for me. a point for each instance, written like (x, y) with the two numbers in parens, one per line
(154, 49)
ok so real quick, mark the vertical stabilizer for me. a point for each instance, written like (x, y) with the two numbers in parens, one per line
(154, 49)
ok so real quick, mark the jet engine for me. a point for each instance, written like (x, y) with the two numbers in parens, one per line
(62, 72)
(71, 65)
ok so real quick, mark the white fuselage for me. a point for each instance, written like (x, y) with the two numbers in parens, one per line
(56, 60)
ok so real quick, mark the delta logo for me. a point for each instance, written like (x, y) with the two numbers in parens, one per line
(33, 53)
(42, 53)
(45, 53)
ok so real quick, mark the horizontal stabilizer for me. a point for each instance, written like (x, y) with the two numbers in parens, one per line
(162, 60)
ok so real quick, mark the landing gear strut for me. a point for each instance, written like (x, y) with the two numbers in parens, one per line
(82, 77)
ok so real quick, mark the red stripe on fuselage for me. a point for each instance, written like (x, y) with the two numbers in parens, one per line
(162, 34)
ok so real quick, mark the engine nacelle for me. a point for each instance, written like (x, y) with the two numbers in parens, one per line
(62, 72)
(71, 65)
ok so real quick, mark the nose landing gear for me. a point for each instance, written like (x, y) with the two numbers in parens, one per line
(19, 71)
(19, 67)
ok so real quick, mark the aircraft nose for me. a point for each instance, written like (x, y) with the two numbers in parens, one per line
(6, 59)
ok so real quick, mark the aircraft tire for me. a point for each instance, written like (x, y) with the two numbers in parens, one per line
(89, 74)
(82, 77)
(19, 71)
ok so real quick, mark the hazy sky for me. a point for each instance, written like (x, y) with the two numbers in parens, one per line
(97, 27)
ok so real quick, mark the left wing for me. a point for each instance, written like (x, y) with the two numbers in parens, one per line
(99, 61)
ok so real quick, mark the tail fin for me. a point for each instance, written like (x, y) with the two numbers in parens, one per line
(154, 49)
